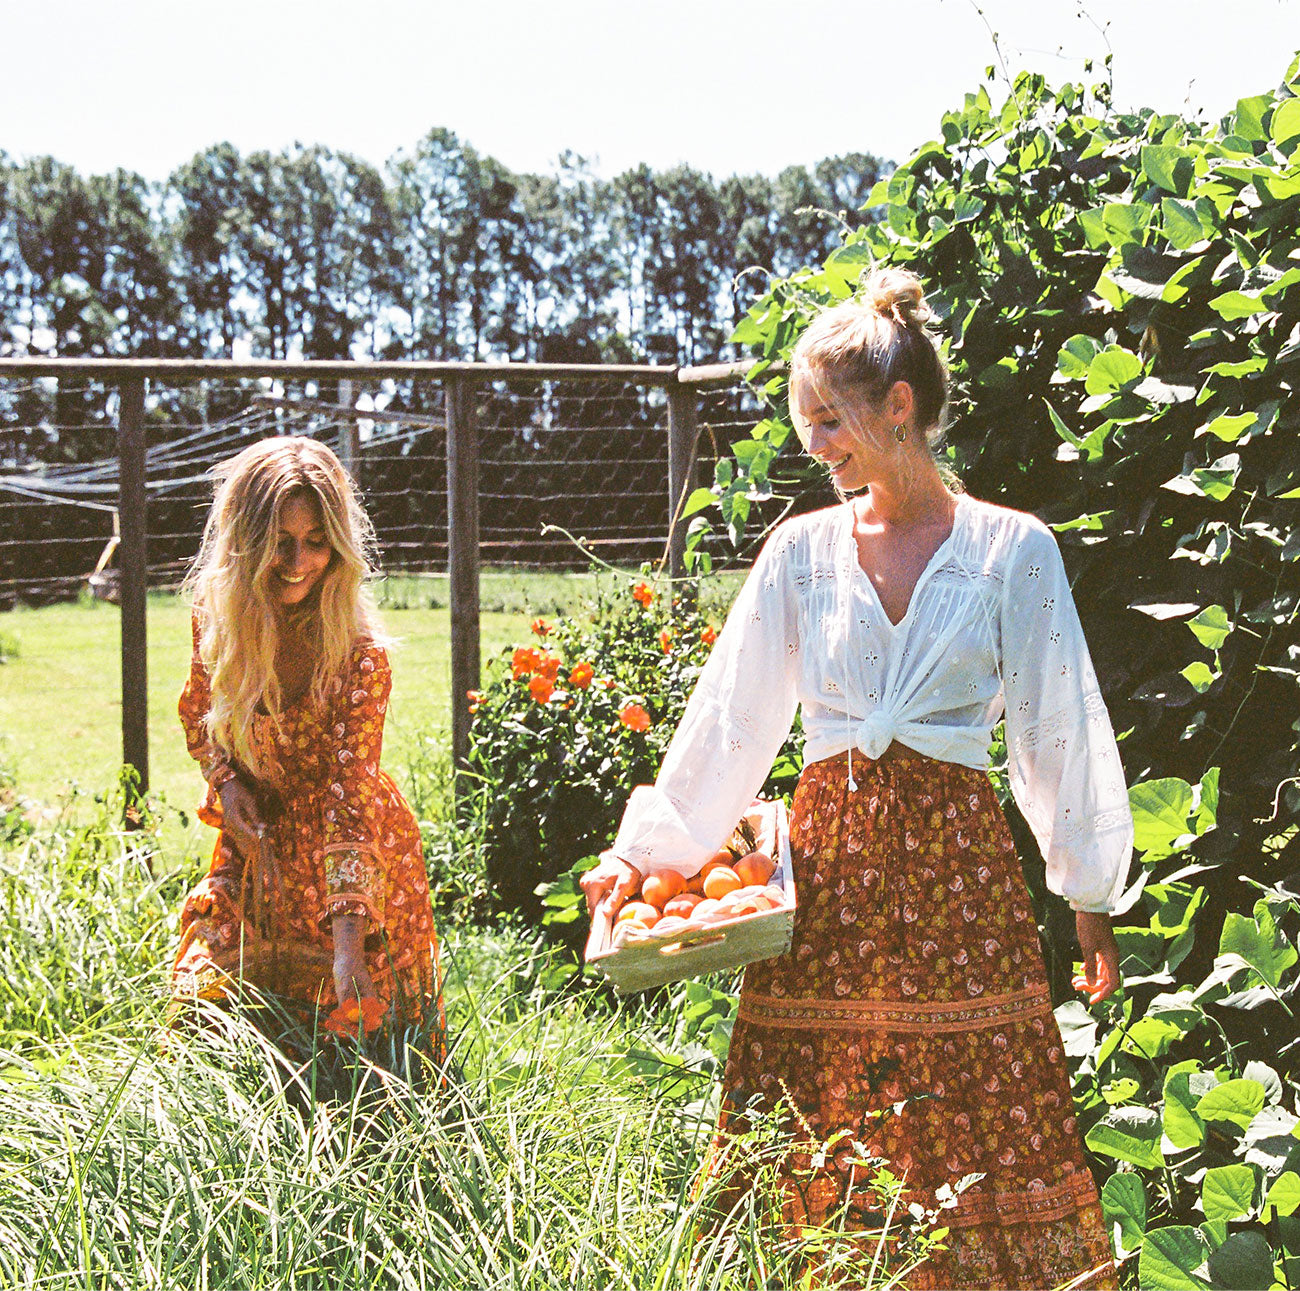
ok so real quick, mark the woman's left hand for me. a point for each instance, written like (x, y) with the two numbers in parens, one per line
(1100, 952)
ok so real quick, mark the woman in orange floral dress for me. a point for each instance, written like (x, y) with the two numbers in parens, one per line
(910, 1020)
(317, 892)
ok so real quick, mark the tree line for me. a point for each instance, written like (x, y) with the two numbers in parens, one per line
(444, 253)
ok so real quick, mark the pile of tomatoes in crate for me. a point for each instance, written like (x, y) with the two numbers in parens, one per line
(735, 883)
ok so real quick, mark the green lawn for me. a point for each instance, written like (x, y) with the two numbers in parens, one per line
(559, 1151)
(60, 679)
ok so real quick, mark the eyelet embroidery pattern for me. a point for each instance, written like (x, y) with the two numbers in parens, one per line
(990, 628)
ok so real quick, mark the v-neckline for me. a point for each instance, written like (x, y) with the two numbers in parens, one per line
(930, 565)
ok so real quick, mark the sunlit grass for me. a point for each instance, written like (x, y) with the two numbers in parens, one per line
(558, 1148)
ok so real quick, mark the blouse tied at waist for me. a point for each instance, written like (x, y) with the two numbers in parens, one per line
(874, 733)
(991, 628)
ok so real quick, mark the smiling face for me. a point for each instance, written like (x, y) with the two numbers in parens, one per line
(852, 439)
(303, 551)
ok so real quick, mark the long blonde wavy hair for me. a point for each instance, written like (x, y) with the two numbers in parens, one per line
(229, 584)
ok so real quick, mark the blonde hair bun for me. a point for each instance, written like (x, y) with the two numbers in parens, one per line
(874, 339)
(896, 294)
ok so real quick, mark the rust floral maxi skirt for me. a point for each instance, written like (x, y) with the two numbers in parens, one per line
(911, 1015)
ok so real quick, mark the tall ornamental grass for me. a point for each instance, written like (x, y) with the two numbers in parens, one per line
(559, 1146)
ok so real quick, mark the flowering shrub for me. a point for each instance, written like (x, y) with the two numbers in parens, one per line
(566, 726)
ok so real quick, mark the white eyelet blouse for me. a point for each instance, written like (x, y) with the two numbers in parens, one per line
(991, 626)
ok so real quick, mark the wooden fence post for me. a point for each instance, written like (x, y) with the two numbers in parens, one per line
(349, 434)
(462, 562)
(682, 424)
(132, 503)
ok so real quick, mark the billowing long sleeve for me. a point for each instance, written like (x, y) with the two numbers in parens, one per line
(739, 715)
(217, 893)
(351, 817)
(195, 701)
(1065, 770)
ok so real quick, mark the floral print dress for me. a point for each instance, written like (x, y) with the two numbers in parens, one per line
(910, 1021)
(340, 839)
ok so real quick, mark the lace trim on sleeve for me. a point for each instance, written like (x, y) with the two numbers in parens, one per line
(1102, 822)
(1055, 729)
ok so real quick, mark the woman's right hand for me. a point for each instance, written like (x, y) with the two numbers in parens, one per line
(613, 879)
(239, 814)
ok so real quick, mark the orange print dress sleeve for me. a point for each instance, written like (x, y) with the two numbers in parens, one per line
(196, 700)
(351, 825)
(218, 891)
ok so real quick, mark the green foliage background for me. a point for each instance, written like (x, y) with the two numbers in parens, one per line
(1120, 296)
(553, 777)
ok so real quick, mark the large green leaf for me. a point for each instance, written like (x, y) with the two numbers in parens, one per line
(1243, 1263)
(1168, 1019)
(1249, 120)
(1284, 1195)
(1236, 1101)
(1284, 128)
(1211, 626)
(1259, 942)
(1183, 225)
(1216, 481)
(1076, 355)
(1124, 1203)
(1169, 1260)
(1160, 810)
(1125, 222)
(1176, 905)
(969, 206)
(1232, 305)
(1078, 1028)
(698, 501)
(1128, 1134)
(1112, 370)
(1151, 1037)
(1173, 169)
(1230, 427)
(1182, 1126)
(1228, 1192)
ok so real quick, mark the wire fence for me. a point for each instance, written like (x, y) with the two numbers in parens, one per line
(555, 458)
(458, 464)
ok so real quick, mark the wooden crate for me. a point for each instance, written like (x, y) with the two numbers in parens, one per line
(638, 965)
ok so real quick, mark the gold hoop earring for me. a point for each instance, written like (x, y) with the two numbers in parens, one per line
(900, 432)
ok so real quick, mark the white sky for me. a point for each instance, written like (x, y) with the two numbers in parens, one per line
(725, 86)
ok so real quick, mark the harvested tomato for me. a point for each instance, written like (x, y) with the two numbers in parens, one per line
(367, 1013)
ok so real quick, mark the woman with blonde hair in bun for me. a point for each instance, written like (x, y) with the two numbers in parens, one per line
(910, 1019)
(317, 892)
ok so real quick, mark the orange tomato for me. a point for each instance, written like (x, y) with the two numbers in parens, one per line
(659, 889)
(756, 868)
(721, 880)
